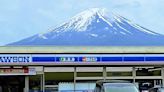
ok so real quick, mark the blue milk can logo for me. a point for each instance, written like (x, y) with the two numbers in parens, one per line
(15, 58)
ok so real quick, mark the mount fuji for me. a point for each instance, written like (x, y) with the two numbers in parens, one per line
(95, 27)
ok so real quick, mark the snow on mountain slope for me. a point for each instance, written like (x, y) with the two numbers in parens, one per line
(96, 27)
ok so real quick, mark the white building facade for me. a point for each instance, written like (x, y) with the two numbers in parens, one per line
(51, 69)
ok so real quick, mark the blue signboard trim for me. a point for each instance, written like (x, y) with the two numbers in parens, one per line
(43, 59)
(80, 58)
(133, 59)
(106, 59)
(154, 58)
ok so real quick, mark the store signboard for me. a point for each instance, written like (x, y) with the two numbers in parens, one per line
(17, 71)
(75, 58)
(99, 58)
(15, 58)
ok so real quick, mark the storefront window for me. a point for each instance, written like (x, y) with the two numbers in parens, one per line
(119, 71)
(89, 74)
(145, 71)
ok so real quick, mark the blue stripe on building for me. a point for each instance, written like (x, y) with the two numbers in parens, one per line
(104, 59)
(43, 59)
(133, 59)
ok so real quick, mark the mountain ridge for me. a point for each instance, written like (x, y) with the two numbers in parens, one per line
(96, 27)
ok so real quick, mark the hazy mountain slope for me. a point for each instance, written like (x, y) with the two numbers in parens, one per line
(96, 27)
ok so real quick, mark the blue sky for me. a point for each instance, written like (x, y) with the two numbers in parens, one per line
(23, 18)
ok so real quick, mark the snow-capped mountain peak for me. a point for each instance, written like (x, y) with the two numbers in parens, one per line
(97, 16)
(96, 26)
(85, 18)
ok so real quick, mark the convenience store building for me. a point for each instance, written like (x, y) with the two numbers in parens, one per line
(49, 69)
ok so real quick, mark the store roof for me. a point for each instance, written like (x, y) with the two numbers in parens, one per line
(80, 49)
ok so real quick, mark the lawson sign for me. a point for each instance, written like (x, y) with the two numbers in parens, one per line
(77, 58)
(15, 58)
